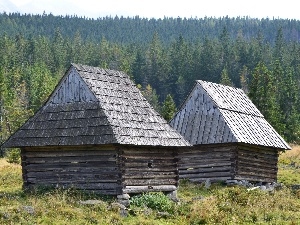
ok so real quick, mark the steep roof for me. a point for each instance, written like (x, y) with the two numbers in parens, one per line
(215, 113)
(92, 106)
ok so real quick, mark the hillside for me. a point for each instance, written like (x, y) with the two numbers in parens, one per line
(198, 205)
(139, 31)
(164, 57)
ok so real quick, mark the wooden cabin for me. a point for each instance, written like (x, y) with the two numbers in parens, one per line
(230, 137)
(97, 132)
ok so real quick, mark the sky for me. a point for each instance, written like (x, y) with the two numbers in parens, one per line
(175, 8)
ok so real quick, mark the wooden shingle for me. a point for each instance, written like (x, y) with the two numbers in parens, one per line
(92, 106)
(215, 113)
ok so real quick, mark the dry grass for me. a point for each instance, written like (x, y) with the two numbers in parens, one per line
(217, 205)
(290, 155)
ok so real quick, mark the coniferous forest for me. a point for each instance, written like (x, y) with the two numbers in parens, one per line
(164, 57)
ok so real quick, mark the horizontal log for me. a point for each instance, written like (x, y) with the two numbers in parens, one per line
(72, 173)
(70, 159)
(256, 169)
(258, 154)
(81, 153)
(154, 188)
(254, 174)
(68, 167)
(71, 148)
(149, 173)
(153, 176)
(158, 169)
(267, 150)
(146, 165)
(205, 170)
(206, 156)
(204, 164)
(205, 175)
(258, 160)
(67, 180)
(147, 150)
(146, 182)
(73, 165)
(150, 153)
(148, 157)
(250, 163)
(146, 160)
(202, 148)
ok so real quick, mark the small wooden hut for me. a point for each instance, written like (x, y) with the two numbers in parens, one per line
(231, 138)
(97, 132)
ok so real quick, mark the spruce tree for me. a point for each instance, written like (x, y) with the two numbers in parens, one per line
(168, 108)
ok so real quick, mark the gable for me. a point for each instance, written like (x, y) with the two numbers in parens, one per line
(92, 106)
(200, 121)
(71, 89)
(216, 113)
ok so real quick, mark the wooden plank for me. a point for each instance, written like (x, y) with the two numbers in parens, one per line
(81, 153)
(205, 170)
(154, 188)
(254, 174)
(205, 164)
(206, 175)
(145, 165)
(253, 159)
(159, 169)
(258, 170)
(144, 182)
(150, 176)
(250, 163)
(70, 148)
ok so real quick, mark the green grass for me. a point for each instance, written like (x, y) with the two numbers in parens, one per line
(217, 205)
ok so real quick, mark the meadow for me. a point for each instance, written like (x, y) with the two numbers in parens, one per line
(218, 204)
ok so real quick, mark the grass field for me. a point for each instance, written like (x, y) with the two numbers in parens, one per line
(198, 205)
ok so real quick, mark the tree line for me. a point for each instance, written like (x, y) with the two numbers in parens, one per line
(266, 68)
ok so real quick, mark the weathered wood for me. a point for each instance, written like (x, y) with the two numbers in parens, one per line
(204, 164)
(96, 170)
(155, 188)
(206, 175)
(72, 88)
(205, 170)
(143, 182)
(149, 167)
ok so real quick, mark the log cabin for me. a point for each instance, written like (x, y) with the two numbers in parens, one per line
(96, 132)
(231, 138)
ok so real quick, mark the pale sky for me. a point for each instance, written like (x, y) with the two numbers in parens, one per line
(179, 8)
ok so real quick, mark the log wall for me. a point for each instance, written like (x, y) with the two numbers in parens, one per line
(221, 162)
(90, 169)
(202, 162)
(147, 169)
(256, 163)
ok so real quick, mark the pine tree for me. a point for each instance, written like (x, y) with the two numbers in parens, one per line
(150, 94)
(168, 108)
(225, 80)
(263, 94)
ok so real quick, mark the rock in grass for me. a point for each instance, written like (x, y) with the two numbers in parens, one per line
(28, 209)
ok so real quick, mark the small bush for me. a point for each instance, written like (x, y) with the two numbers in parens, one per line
(155, 201)
(13, 156)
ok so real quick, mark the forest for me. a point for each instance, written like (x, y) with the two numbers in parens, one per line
(163, 57)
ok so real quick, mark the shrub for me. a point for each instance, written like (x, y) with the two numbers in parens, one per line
(155, 201)
(13, 155)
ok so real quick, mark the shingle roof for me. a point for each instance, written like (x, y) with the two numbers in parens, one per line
(215, 113)
(103, 107)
